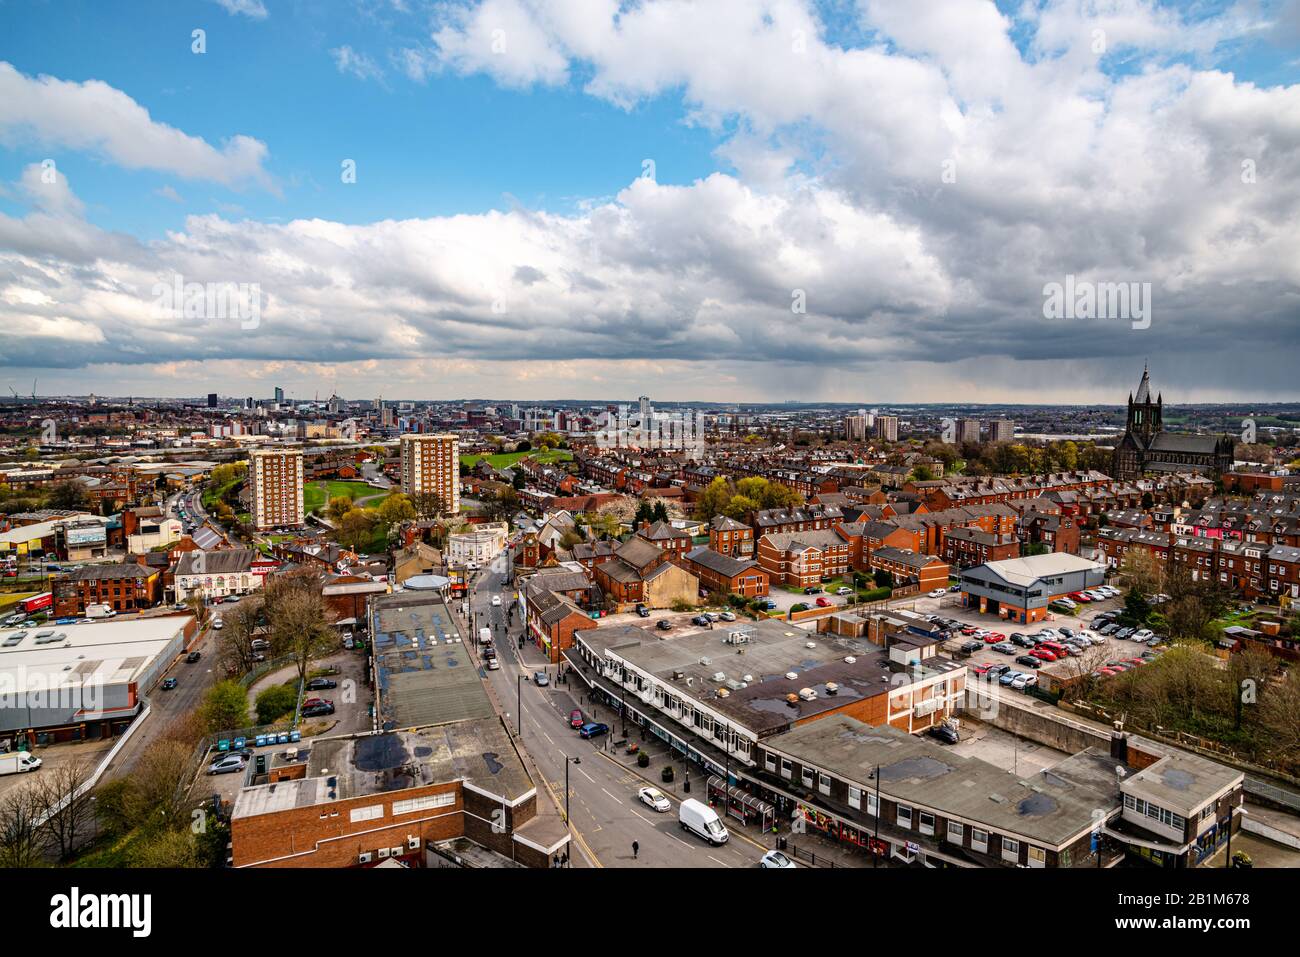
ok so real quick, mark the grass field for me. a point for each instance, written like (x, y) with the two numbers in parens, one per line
(504, 460)
(315, 497)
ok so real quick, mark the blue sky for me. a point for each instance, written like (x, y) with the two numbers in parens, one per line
(500, 241)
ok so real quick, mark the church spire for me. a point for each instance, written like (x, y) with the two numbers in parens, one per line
(1144, 387)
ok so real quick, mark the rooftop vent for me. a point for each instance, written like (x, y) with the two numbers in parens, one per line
(810, 644)
(850, 660)
(719, 676)
(792, 675)
(792, 699)
(832, 687)
(807, 694)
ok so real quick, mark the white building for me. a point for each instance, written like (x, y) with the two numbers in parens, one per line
(217, 574)
(479, 546)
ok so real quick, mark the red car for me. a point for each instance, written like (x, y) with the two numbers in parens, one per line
(969, 630)
(981, 669)
(823, 603)
(1080, 596)
(1043, 654)
(992, 638)
(576, 720)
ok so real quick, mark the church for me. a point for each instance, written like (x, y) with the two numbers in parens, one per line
(1147, 447)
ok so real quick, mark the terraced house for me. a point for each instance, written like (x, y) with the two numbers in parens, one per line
(803, 559)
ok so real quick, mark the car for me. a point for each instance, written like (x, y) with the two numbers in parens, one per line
(180, 606)
(1024, 641)
(1104, 672)
(541, 679)
(776, 859)
(317, 684)
(823, 602)
(969, 630)
(168, 684)
(712, 616)
(1108, 629)
(1009, 676)
(320, 708)
(1029, 661)
(1066, 632)
(1155, 641)
(496, 601)
(1125, 632)
(945, 733)
(227, 764)
(728, 616)
(969, 646)
(1005, 648)
(954, 588)
(1024, 681)
(938, 593)
(997, 671)
(217, 624)
(1045, 654)
(193, 656)
(700, 620)
(1142, 634)
(844, 590)
(813, 590)
(1097, 637)
(663, 624)
(593, 729)
(232, 598)
(655, 799)
(576, 720)
(642, 611)
(990, 637)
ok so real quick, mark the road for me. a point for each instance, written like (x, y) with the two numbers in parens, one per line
(607, 816)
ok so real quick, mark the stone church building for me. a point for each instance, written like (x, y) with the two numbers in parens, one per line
(1147, 447)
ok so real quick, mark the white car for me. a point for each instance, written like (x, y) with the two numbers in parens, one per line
(776, 859)
(1096, 595)
(496, 601)
(1141, 635)
(844, 590)
(938, 593)
(654, 798)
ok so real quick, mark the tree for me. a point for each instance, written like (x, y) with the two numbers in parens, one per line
(275, 702)
(519, 480)
(158, 800)
(68, 495)
(298, 619)
(604, 524)
(427, 505)
(1142, 570)
(660, 511)
(338, 506)
(66, 805)
(197, 606)
(739, 506)
(224, 707)
(240, 628)
(712, 500)
(168, 849)
(524, 446)
(357, 529)
(21, 839)
(395, 509)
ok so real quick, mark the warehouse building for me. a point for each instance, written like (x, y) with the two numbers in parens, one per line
(1020, 589)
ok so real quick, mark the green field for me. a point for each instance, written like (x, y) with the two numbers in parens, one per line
(316, 495)
(503, 460)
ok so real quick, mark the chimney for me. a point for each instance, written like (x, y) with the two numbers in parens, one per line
(1119, 744)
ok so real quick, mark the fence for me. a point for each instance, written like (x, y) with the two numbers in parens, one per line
(91, 781)
(804, 854)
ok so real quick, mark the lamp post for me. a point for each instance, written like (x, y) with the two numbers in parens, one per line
(519, 720)
(568, 824)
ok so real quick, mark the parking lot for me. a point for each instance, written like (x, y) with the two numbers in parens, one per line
(1080, 619)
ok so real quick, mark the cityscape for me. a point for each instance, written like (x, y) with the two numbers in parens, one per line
(512, 436)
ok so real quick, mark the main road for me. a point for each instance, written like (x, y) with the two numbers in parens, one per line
(606, 813)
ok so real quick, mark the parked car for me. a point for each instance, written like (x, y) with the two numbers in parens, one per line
(193, 656)
(1045, 654)
(775, 859)
(593, 729)
(844, 590)
(317, 684)
(576, 720)
(227, 764)
(1007, 677)
(1005, 648)
(1142, 634)
(541, 679)
(1024, 681)
(663, 624)
(1029, 661)
(700, 620)
(643, 611)
(938, 593)
(823, 602)
(168, 684)
(1024, 641)
(317, 709)
(700, 819)
(728, 616)
(969, 646)
(654, 798)
(813, 590)
(945, 733)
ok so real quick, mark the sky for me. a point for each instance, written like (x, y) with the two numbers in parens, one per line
(864, 201)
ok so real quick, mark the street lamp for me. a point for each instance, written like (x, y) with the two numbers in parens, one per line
(519, 720)
(567, 822)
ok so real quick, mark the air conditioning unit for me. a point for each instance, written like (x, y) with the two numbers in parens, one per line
(807, 694)
(792, 675)
(832, 687)
(810, 644)
(383, 853)
(719, 676)
(363, 857)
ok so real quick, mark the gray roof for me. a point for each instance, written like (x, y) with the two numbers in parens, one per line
(231, 561)
(718, 562)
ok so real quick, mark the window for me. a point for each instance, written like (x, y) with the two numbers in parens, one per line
(426, 803)
(1010, 849)
(873, 805)
(1037, 856)
(787, 769)
(807, 776)
(956, 832)
(927, 822)
(769, 760)
(855, 797)
(366, 813)
(979, 840)
(903, 816)
(823, 784)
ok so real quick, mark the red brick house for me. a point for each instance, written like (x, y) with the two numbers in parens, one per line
(730, 537)
(726, 575)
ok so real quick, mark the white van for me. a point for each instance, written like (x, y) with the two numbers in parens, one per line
(701, 820)
(217, 624)
(18, 762)
(485, 636)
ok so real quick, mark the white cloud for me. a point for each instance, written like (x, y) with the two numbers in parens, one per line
(94, 116)
(254, 9)
(357, 64)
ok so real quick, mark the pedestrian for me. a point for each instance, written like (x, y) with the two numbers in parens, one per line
(635, 848)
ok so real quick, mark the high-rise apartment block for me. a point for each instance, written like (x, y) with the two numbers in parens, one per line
(1002, 430)
(275, 478)
(968, 430)
(431, 463)
(887, 427)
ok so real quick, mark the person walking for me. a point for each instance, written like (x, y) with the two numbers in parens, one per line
(635, 848)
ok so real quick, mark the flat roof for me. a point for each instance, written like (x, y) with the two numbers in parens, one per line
(479, 753)
(753, 688)
(1052, 807)
(1025, 571)
(1182, 782)
(424, 671)
(113, 652)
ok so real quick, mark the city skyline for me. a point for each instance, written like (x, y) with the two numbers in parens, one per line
(501, 197)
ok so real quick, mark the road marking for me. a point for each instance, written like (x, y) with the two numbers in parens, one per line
(585, 774)
(616, 798)
(712, 858)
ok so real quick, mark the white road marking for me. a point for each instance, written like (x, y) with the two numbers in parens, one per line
(587, 776)
(616, 798)
(714, 859)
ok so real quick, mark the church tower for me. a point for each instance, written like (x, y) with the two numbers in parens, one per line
(1145, 416)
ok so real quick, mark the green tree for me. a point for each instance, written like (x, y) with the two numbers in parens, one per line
(395, 509)
(356, 529)
(298, 619)
(338, 506)
(275, 702)
(713, 500)
(225, 707)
